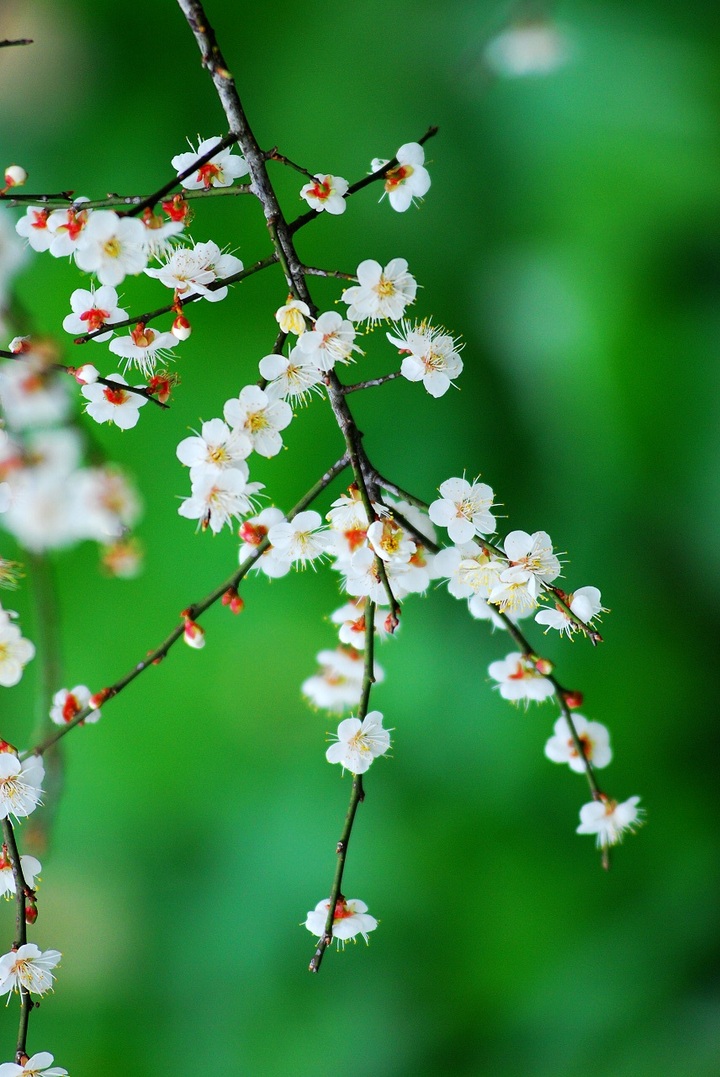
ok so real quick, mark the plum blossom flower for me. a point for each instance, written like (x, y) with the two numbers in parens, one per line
(217, 497)
(350, 918)
(431, 356)
(609, 820)
(291, 377)
(359, 743)
(259, 418)
(91, 310)
(330, 341)
(15, 652)
(20, 784)
(31, 394)
(143, 347)
(519, 679)
(532, 46)
(28, 967)
(585, 604)
(66, 227)
(215, 449)
(326, 193)
(220, 171)
(464, 509)
(380, 293)
(114, 405)
(253, 531)
(112, 247)
(291, 317)
(593, 737)
(530, 556)
(68, 702)
(34, 228)
(389, 541)
(30, 867)
(191, 270)
(303, 538)
(408, 180)
(36, 1066)
(338, 684)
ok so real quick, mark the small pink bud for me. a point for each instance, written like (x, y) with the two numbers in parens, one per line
(232, 599)
(20, 345)
(5, 746)
(31, 913)
(573, 700)
(15, 176)
(194, 634)
(181, 328)
(544, 666)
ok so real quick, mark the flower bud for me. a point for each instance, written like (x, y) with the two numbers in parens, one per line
(31, 912)
(85, 374)
(181, 328)
(544, 666)
(232, 599)
(194, 634)
(573, 700)
(15, 176)
(5, 746)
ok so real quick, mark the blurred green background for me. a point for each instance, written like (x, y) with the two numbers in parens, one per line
(572, 236)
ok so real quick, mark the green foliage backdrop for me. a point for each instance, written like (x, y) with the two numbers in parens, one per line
(572, 236)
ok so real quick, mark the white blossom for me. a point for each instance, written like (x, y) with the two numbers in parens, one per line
(216, 448)
(431, 356)
(259, 418)
(28, 967)
(15, 653)
(464, 509)
(142, 348)
(585, 603)
(380, 293)
(518, 679)
(330, 341)
(303, 538)
(30, 867)
(220, 171)
(108, 404)
(68, 702)
(408, 180)
(609, 820)
(217, 498)
(112, 247)
(359, 743)
(326, 193)
(350, 918)
(20, 785)
(38, 1065)
(190, 271)
(91, 310)
(593, 737)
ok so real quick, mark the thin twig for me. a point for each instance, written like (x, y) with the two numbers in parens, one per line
(22, 892)
(357, 793)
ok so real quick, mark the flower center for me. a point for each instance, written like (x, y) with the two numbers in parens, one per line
(385, 287)
(115, 396)
(207, 174)
(95, 318)
(397, 176)
(256, 421)
(113, 247)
